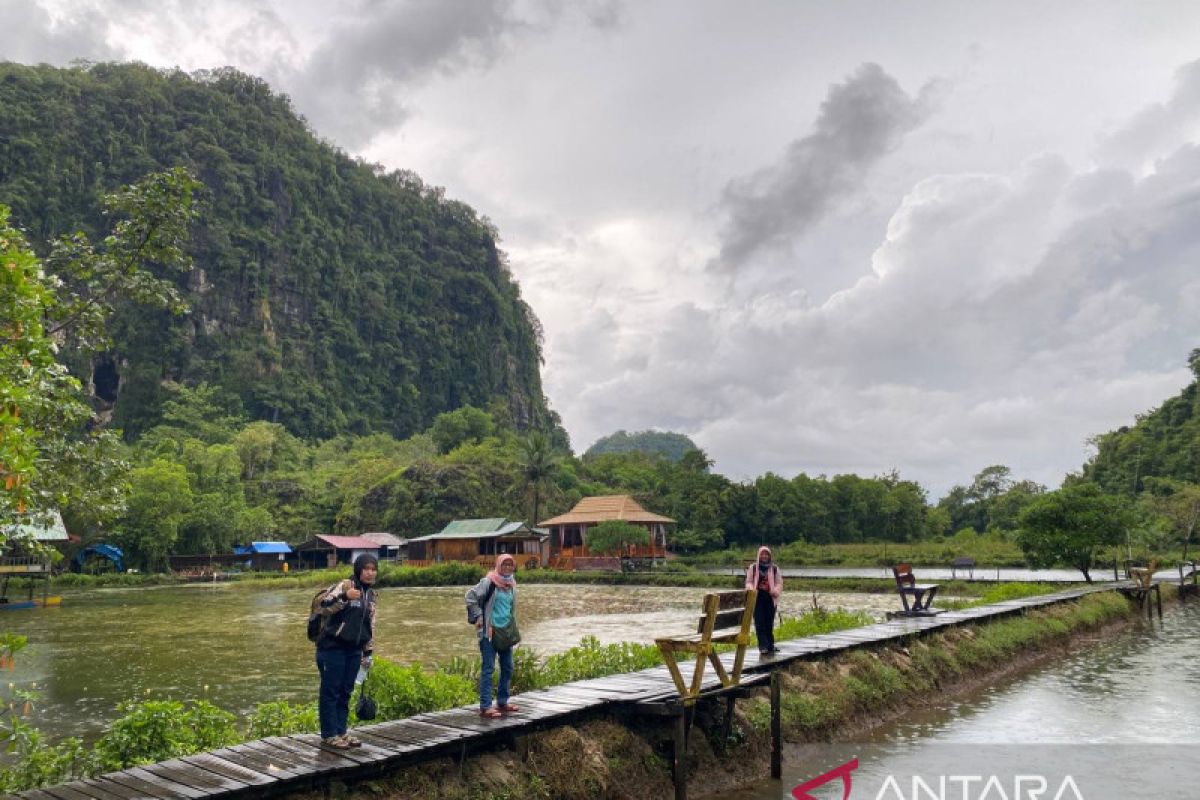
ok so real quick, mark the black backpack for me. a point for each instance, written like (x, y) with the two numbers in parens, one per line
(317, 620)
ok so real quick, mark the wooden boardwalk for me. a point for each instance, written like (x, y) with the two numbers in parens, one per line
(285, 764)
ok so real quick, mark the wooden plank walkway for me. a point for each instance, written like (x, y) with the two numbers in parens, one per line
(284, 764)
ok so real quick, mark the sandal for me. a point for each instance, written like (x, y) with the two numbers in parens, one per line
(509, 708)
(490, 713)
(353, 741)
(336, 743)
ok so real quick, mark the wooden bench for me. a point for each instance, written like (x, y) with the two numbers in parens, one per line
(922, 594)
(725, 619)
(1144, 586)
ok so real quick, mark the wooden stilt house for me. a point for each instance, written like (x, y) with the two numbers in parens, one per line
(568, 533)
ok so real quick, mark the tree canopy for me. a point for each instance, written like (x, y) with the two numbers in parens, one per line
(670, 445)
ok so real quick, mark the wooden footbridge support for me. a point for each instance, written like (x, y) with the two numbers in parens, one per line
(283, 765)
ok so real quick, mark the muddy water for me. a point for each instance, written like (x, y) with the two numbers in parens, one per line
(1119, 717)
(239, 645)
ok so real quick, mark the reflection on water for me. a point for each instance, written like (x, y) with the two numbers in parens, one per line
(1118, 711)
(240, 645)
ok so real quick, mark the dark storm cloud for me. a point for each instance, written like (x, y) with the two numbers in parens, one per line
(352, 84)
(31, 36)
(860, 121)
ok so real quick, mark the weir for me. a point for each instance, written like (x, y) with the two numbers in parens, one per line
(282, 765)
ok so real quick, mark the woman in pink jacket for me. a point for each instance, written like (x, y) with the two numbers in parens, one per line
(763, 576)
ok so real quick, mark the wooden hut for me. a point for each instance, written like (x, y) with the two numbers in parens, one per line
(568, 532)
(391, 546)
(479, 541)
(323, 551)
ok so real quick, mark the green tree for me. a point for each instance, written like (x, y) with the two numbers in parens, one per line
(614, 536)
(454, 428)
(1070, 526)
(160, 499)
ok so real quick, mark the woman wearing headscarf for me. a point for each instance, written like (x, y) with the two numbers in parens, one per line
(763, 577)
(492, 608)
(346, 642)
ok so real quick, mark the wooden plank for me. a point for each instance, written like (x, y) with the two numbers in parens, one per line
(196, 777)
(90, 788)
(62, 792)
(214, 763)
(383, 743)
(419, 732)
(282, 757)
(322, 758)
(122, 790)
(307, 749)
(176, 790)
(141, 787)
(259, 763)
(35, 794)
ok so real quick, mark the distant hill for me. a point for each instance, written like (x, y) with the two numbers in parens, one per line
(1164, 443)
(327, 294)
(662, 443)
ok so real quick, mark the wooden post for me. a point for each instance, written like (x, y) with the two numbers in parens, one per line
(1158, 598)
(727, 728)
(776, 730)
(679, 765)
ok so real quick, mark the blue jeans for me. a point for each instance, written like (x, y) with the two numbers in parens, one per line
(489, 654)
(338, 668)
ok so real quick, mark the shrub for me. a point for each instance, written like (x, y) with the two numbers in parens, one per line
(156, 730)
(281, 718)
(401, 691)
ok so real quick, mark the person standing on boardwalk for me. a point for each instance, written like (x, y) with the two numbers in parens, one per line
(492, 608)
(345, 644)
(763, 576)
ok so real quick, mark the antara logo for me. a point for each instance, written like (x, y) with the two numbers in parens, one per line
(979, 787)
(948, 787)
(843, 772)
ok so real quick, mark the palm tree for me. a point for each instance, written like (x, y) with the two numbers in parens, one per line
(538, 464)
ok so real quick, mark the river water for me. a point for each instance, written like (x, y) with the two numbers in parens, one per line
(237, 645)
(1119, 716)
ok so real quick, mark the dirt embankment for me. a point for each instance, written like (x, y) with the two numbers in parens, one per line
(835, 699)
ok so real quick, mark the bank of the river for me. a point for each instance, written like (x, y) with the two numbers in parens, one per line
(466, 574)
(822, 700)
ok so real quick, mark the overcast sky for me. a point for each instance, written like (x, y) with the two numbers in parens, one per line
(816, 237)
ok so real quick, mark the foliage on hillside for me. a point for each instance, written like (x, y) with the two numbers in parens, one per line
(1162, 448)
(670, 445)
(326, 295)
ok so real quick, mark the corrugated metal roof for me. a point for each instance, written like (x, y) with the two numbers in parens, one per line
(478, 529)
(348, 542)
(269, 547)
(474, 526)
(53, 531)
(385, 539)
(606, 507)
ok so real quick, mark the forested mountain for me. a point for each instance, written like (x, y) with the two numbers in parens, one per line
(652, 443)
(1164, 444)
(328, 295)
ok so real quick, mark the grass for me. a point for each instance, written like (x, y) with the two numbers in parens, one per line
(821, 697)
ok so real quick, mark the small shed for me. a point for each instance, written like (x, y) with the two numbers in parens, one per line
(479, 541)
(324, 551)
(265, 556)
(17, 558)
(391, 547)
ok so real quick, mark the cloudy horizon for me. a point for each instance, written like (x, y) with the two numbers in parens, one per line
(813, 237)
